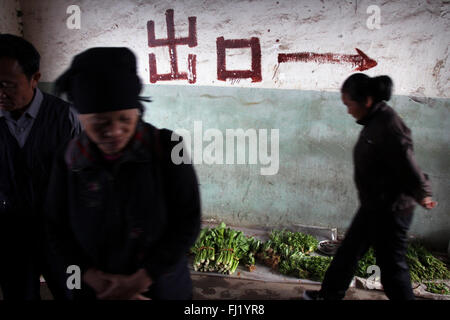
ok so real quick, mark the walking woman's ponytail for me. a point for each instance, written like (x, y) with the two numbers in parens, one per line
(381, 88)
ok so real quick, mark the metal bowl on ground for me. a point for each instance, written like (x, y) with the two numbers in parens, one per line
(328, 247)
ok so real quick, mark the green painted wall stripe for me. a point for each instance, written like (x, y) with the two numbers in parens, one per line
(314, 184)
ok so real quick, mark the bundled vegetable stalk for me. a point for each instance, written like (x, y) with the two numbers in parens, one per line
(204, 250)
(221, 249)
(249, 258)
(268, 256)
(233, 248)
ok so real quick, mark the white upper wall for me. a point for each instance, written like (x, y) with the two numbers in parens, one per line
(9, 22)
(411, 44)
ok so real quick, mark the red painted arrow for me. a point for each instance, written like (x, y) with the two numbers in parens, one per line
(360, 60)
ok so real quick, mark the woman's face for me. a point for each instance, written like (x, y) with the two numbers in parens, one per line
(354, 108)
(110, 131)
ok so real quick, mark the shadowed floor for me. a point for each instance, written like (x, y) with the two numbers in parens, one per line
(212, 287)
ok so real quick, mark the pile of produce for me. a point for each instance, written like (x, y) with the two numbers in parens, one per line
(365, 262)
(439, 288)
(283, 244)
(287, 242)
(305, 267)
(289, 253)
(221, 249)
(423, 266)
(249, 258)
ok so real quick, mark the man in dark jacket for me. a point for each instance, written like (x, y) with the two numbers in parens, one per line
(33, 125)
(389, 183)
(119, 208)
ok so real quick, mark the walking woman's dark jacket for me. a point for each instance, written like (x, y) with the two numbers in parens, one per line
(141, 210)
(386, 174)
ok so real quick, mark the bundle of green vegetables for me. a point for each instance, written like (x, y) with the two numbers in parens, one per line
(438, 288)
(204, 250)
(286, 242)
(423, 266)
(305, 267)
(221, 249)
(289, 253)
(365, 262)
(249, 258)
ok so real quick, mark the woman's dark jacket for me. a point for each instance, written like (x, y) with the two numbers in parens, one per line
(386, 174)
(141, 211)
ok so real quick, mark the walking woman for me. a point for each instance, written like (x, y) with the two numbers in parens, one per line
(389, 182)
(118, 207)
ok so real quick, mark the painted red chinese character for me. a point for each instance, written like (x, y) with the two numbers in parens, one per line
(224, 74)
(172, 43)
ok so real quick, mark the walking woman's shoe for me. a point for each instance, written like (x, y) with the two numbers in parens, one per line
(312, 295)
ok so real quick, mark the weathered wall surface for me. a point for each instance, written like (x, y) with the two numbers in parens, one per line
(9, 21)
(411, 43)
(244, 80)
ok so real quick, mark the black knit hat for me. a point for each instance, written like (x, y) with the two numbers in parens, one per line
(101, 80)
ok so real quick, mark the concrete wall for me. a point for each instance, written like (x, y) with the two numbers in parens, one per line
(411, 43)
(9, 20)
(313, 184)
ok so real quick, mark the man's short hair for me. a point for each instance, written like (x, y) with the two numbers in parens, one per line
(24, 52)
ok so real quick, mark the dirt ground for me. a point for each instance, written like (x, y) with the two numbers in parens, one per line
(208, 287)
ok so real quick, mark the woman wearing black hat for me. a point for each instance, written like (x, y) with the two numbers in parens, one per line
(389, 182)
(118, 207)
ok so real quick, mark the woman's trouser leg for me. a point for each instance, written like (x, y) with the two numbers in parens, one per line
(390, 248)
(343, 266)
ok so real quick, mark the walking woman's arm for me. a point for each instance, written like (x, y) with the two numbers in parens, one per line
(401, 159)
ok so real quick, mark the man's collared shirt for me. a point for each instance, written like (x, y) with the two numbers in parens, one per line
(21, 127)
